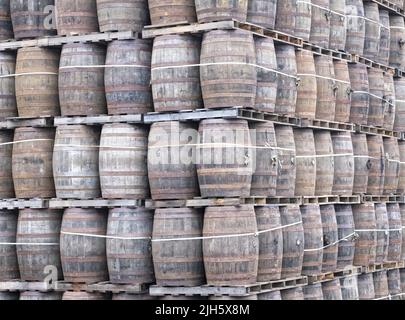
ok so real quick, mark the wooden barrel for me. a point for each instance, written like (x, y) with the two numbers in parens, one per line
(397, 48)
(264, 179)
(303, 15)
(394, 284)
(376, 104)
(123, 161)
(266, 93)
(287, 84)
(8, 103)
(361, 163)
(8, 253)
(365, 225)
(234, 260)
(313, 239)
(77, 17)
(355, 26)
(372, 30)
(181, 11)
(122, 15)
(82, 295)
(7, 295)
(307, 89)
(392, 165)
(262, 13)
(337, 35)
(41, 226)
(182, 297)
(36, 87)
(360, 97)
(402, 275)
(293, 241)
(84, 257)
(224, 170)
(305, 162)
(330, 238)
(233, 83)
(395, 233)
(178, 263)
(331, 290)
(270, 243)
(32, 163)
(402, 210)
(76, 162)
(381, 216)
(6, 177)
(81, 80)
(365, 286)
(326, 92)
(345, 224)
(127, 80)
(343, 92)
(32, 19)
(320, 23)
(271, 295)
(344, 163)
(36, 295)
(130, 296)
(349, 288)
(6, 27)
(324, 162)
(171, 177)
(389, 102)
(313, 292)
(399, 123)
(381, 285)
(250, 297)
(209, 11)
(401, 178)
(286, 169)
(384, 49)
(292, 294)
(285, 16)
(376, 174)
(130, 261)
(176, 89)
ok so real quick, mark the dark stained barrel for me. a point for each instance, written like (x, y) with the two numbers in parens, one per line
(77, 17)
(376, 104)
(32, 162)
(349, 288)
(395, 233)
(394, 284)
(402, 274)
(8, 103)
(6, 177)
(377, 166)
(130, 296)
(233, 84)
(313, 292)
(81, 79)
(345, 223)
(181, 11)
(305, 162)
(271, 295)
(36, 86)
(209, 11)
(6, 26)
(382, 223)
(270, 243)
(303, 15)
(262, 13)
(36, 295)
(381, 289)
(365, 286)
(337, 36)
(8, 253)
(402, 210)
(224, 170)
(384, 49)
(32, 19)
(81, 295)
(264, 179)
(127, 77)
(293, 241)
(365, 222)
(344, 163)
(389, 102)
(361, 163)
(372, 30)
(266, 93)
(171, 177)
(360, 97)
(178, 263)
(324, 162)
(123, 161)
(307, 89)
(286, 169)
(177, 88)
(331, 290)
(287, 84)
(41, 226)
(401, 178)
(327, 88)
(286, 16)
(130, 261)
(355, 26)
(84, 257)
(330, 238)
(320, 23)
(7, 295)
(392, 165)
(234, 260)
(399, 123)
(122, 15)
(343, 92)
(292, 294)
(397, 48)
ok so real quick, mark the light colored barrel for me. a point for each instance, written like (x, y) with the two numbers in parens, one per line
(262, 13)
(384, 50)
(389, 102)
(320, 23)
(395, 233)
(349, 288)
(394, 284)
(344, 163)
(355, 26)
(360, 97)
(401, 178)
(36, 295)
(397, 48)
(365, 285)
(6, 176)
(377, 167)
(337, 36)
(331, 290)
(292, 294)
(180, 11)
(399, 123)
(307, 89)
(250, 297)
(305, 162)
(361, 163)
(376, 104)
(402, 211)
(303, 16)
(402, 274)
(81, 295)
(326, 88)
(381, 285)
(271, 295)
(381, 216)
(330, 238)
(8, 253)
(324, 162)
(6, 27)
(130, 296)
(313, 292)
(209, 11)
(8, 103)
(392, 165)
(77, 17)
(285, 17)
(345, 224)
(372, 30)
(343, 92)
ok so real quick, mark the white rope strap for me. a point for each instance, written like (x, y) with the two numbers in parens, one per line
(332, 244)
(27, 244)
(323, 8)
(105, 66)
(321, 77)
(28, 74)
(374, 96)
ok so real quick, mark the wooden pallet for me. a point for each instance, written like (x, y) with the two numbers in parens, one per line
(16, 122)
(372, 64)
(382, 198)
(377, 131)
(99, 120)
(102, 287)
(19, 285)
(328, 276)
(11, 204)
(399, 73)
(337, 55)
(327, 125)
(383, 266)
(392, 8)
(94, 203)
(353, 199)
